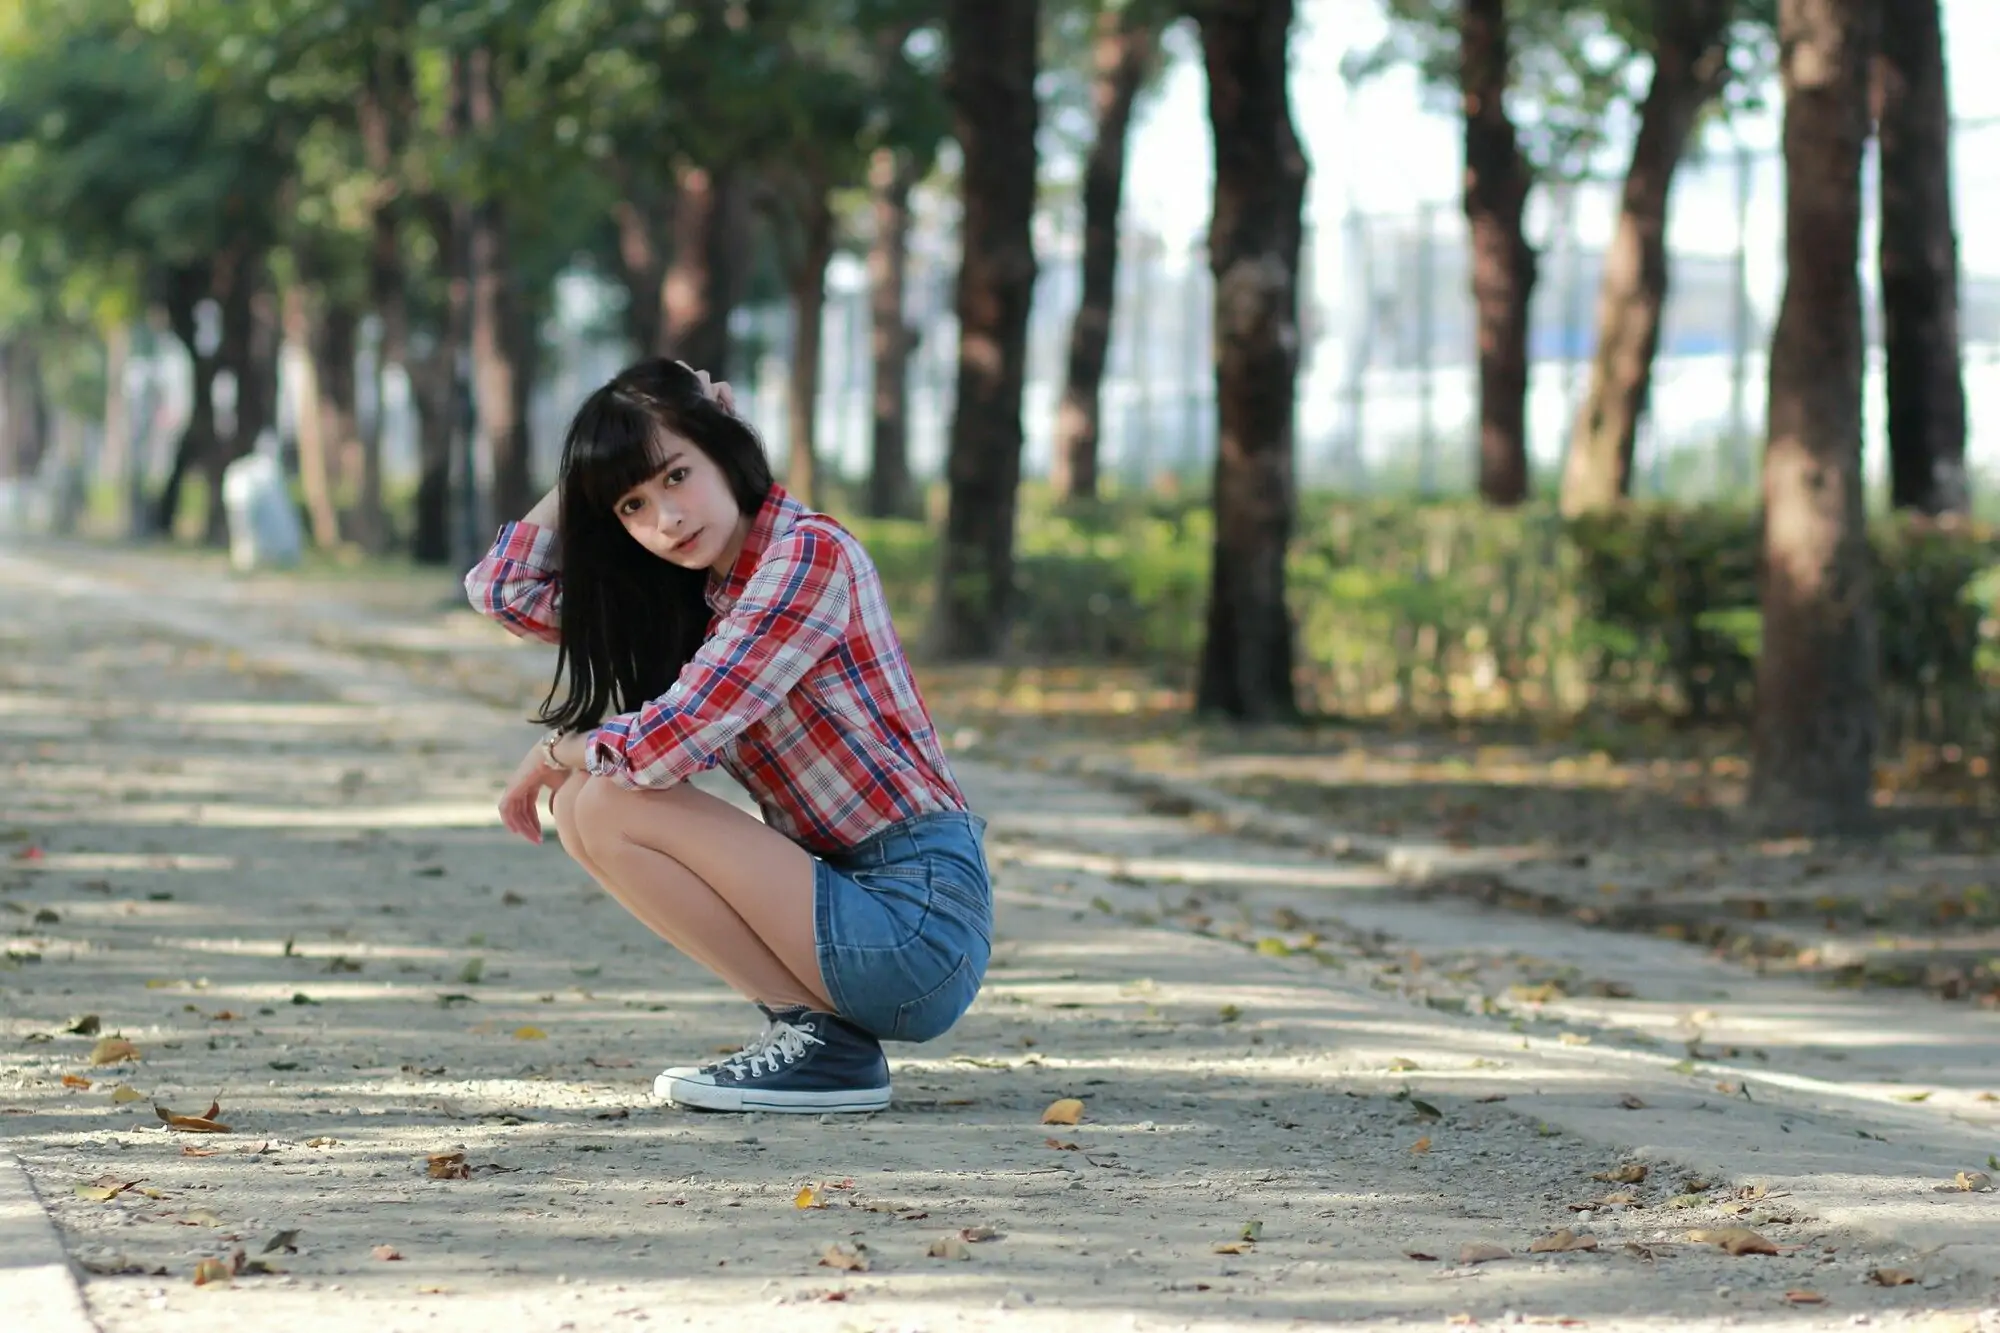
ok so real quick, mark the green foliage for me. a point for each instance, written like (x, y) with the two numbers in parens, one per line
(1452, 609)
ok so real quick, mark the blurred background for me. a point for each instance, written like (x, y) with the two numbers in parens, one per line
(385, 246)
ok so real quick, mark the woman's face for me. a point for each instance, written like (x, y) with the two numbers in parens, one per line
(685, 513)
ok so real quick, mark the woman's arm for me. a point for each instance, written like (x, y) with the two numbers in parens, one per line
(519, 582)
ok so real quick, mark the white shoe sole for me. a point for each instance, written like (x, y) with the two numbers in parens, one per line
(707, 1097)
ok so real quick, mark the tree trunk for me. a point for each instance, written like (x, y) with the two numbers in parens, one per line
(891, 176)
(249, 352)
(991, 86)
(700, 287)
(1497, 180)
(808, 306)
(641, 222)
(118, 457)
(1919, 269)
(388, 107)
(502, 434)
(435, 376)
(1253, 252)
(1814, 737)
(25, 411)
(335, 339)
(186, 288)
(1690, 65)
(315, 478)
(1126, 48)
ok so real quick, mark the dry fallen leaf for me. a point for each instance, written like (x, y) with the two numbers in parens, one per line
(806, 1198)
(75, 1081)
(205, 1123)
(1563, 1242)
(948, 1247)
(323, 1141)
(124, 1093)
(1234, 1247)
(1891, 1277)
(189, 1150)
(104, 1189)
(1482, 1252)
(1738, 1241)
(447, 1166)
(386, 1253)
(847, 1258)
(1421, 1145)
(1420, 1256)
(1802, 1297)
(1969, 1182)
(86, 1026)
(978, 1234)
(210, 1270)
(1632, 1173)
(1403, 1065)
(530, 1033)
(113, 1050)
(1067, 1111)
(1059, 1145)
(1632, 1102)
(288, 1241)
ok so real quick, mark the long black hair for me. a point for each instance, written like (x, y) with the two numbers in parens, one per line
(630, 620)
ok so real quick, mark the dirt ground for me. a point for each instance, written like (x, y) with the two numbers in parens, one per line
(250, 833)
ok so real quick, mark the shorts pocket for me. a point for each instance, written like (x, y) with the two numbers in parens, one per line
(933, 1013)
(894, 910)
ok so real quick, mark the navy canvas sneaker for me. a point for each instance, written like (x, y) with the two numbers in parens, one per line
(750, 1048)
(805, 1062)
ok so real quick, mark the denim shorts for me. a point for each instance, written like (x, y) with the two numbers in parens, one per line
(904, 925)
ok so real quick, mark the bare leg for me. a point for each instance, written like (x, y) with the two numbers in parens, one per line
(715, 883)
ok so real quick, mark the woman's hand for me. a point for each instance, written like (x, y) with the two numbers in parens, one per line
(520, 804)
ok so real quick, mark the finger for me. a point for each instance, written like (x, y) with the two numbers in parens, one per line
(726, 396)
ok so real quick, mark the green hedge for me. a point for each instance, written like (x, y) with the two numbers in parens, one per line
(1456, 609)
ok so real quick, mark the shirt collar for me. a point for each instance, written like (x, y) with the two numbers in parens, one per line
(774, 519)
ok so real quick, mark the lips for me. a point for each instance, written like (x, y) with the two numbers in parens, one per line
(686, 542)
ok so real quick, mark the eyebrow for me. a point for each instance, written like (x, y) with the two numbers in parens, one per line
(665, 463)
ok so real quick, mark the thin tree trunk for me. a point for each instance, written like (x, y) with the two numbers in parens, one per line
(808, 306)
(435, 376)
(388, 107)
(700, 287)
(1497, 180)
(25, 410)
(117, 457)
(1816, 725)
(641, 223)
(1690, 65)
(335, 339)
(186, 287)
(991, 86)
(248, 351)
(890, 179)
(1127, 45)
(314, 478)
(502, 433)
(1253, 252)
(1919, 269)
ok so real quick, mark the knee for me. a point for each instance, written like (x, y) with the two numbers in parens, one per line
(573, 814)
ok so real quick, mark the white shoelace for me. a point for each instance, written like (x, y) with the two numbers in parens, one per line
(781, 1045)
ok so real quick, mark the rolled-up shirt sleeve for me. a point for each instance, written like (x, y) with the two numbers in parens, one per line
(518, 583)
(792, 613)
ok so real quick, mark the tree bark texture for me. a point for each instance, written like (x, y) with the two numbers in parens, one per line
(24, 413)
(642, 221)
(388, 109)
(1814, 736)
(1919, 267)
(991, 86)
(1127, 47)
(503, 435)
(1690, 65)
(891, 176)
(315, 476)
(703, 279)
(808, 283)
(1497, 181)
(1253, 250)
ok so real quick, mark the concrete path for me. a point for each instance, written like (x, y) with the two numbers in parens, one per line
(253, 836)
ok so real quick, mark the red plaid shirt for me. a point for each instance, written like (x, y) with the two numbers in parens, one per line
(801, 690)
